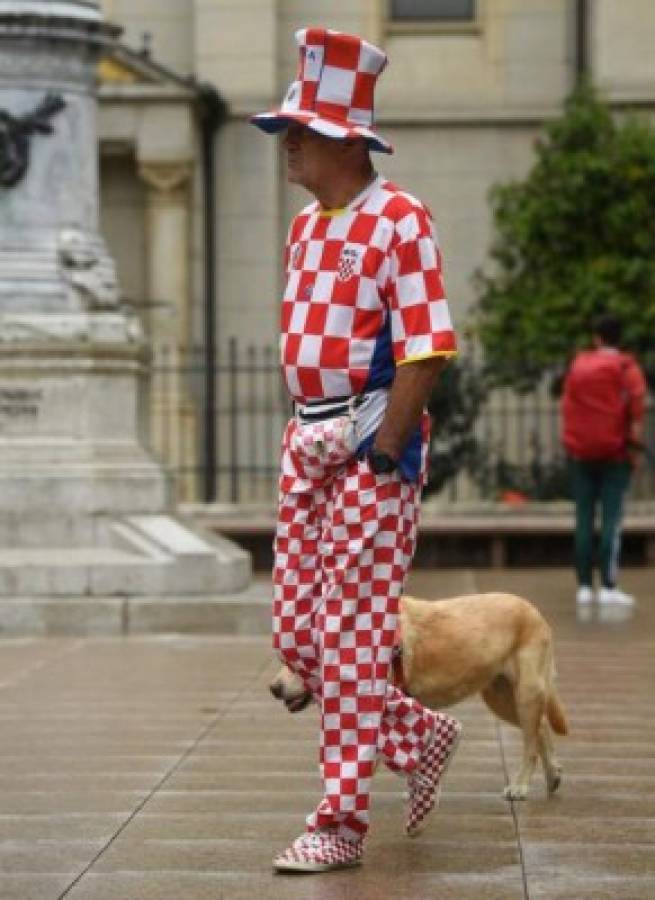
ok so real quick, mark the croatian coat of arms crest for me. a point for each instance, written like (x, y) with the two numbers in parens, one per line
(347, 263)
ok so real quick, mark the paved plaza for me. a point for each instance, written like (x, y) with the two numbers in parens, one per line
(159, 768)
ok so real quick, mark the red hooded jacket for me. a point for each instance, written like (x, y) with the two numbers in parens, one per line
(604, 392)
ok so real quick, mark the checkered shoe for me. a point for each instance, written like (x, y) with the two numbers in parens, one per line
(319, 852)
(424, 781)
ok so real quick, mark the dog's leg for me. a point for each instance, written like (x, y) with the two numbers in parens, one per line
(530, 706)
(552, 767)
(499, 697)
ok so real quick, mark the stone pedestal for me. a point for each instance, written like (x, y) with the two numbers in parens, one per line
(84, 506)
(68, 437)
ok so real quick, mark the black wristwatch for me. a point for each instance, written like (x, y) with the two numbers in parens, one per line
(381, 463)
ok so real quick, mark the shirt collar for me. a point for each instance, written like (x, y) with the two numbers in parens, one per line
(356, 202)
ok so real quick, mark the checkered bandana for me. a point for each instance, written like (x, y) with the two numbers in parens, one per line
(363, 294)
(334, 88)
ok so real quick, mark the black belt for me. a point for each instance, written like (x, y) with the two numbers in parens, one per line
(327, 409)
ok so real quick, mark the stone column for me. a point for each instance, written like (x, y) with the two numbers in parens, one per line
(168, 215)
(173, 425)
(70, 353)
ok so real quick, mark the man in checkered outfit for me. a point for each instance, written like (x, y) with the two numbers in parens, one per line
(365, 331)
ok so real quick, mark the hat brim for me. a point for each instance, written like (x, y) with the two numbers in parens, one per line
(276, 121)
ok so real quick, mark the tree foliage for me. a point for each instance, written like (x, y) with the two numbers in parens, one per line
(575, 238)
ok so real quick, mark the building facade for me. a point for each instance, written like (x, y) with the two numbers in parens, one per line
(468, 89)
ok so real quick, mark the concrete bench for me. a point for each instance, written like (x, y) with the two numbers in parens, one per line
(471, 539)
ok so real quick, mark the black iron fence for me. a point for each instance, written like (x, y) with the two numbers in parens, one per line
(222, 444)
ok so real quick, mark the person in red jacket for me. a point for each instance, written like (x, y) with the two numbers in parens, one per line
(602, 428)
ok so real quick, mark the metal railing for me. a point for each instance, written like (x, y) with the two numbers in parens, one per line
(517, 434)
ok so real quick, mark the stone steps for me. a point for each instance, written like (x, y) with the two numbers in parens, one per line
(144, 556)
(149, 573)
(245, 612)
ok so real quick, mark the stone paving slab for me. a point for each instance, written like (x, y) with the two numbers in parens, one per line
(231, 885)
(149, 768)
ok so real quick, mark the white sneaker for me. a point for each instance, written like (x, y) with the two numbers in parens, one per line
(584, 595)
(614, 613)
(319, 852)
(615, 596)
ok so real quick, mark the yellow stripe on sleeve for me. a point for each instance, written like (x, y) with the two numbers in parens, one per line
(410, 359)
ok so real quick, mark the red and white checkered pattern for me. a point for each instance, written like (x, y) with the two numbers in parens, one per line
(326, 443)
(342, 549)
(374, 266)
(424, 782)
(334, 88)
(319, 852)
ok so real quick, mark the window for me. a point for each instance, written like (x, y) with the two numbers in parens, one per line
(433, 10)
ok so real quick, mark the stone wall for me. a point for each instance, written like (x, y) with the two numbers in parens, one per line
(623, 62)
(170, 22)
(462, 106)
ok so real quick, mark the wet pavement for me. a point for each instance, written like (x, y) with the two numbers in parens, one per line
(158, 768)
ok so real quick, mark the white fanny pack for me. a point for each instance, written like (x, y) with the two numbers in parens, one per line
(330, 431)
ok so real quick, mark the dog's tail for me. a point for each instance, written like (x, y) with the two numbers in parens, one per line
(555, 713)
(554, 708)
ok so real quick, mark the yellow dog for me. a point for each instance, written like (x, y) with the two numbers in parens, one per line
(494, 644)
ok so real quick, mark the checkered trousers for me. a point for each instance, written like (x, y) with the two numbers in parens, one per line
(363, 295)
(342, 551)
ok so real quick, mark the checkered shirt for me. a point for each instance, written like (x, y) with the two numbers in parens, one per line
(363, 294)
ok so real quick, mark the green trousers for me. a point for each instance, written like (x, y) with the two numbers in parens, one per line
(592, 483)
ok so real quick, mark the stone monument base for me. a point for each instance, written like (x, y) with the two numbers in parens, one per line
(88, 539)
(87, 542)
(144, 573)
(98, 574)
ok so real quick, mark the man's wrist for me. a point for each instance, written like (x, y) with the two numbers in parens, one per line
(388, 449)
(381, 462)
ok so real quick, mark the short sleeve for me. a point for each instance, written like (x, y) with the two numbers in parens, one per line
(420, 319)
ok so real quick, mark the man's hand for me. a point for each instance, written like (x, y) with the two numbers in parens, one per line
(409, 394)
(636, 444)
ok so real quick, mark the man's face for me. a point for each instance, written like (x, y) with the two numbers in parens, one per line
(311, 157)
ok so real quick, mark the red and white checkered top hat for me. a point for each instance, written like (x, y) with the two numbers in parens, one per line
(333, 91)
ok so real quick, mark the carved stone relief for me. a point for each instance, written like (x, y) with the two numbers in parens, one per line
(65, 72)
(89, 270)
(52, 329)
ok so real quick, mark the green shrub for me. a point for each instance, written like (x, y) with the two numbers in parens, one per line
(575, 238)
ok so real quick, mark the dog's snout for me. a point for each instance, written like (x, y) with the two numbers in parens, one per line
(276, 690)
